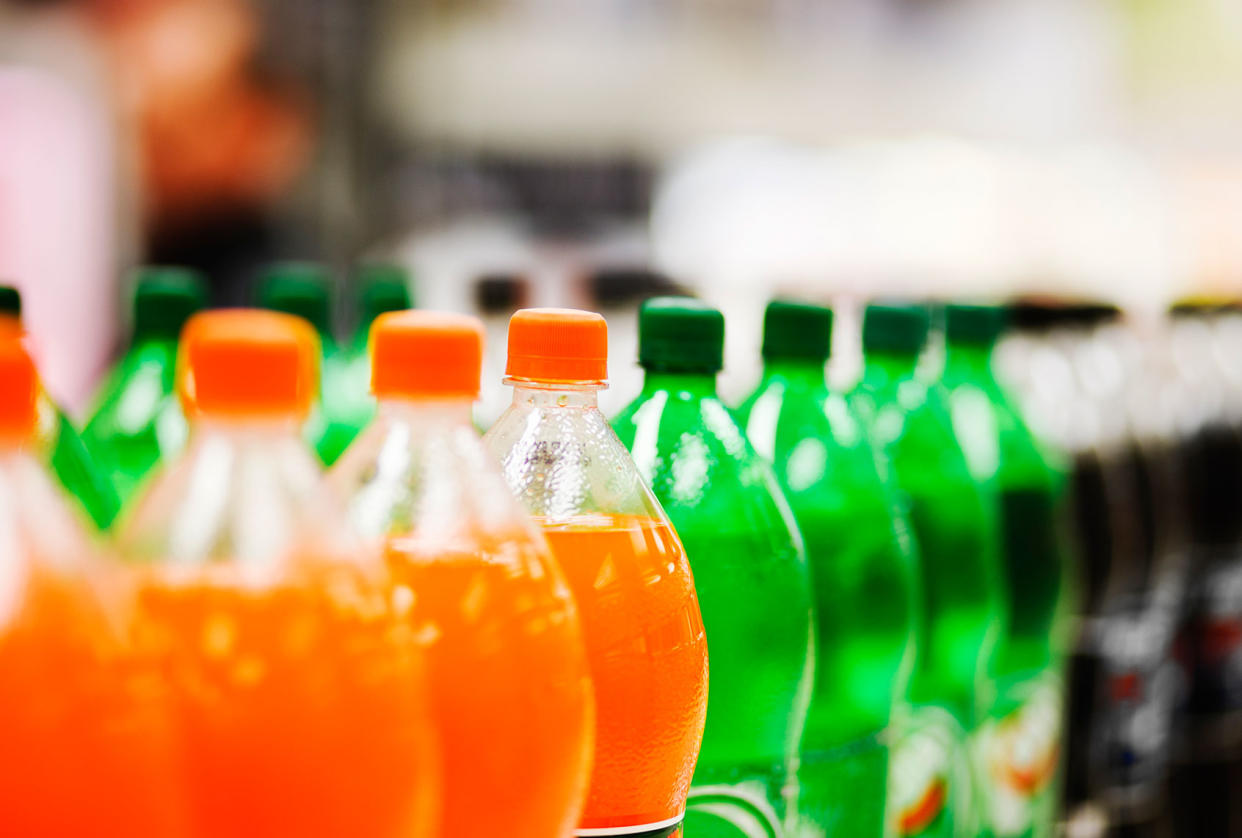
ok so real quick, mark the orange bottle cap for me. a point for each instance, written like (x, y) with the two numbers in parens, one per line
(558, 344)
(249, 362)
(426, 354)
(19, 383)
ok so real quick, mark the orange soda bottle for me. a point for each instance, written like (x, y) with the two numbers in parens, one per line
(625, 564)
(297, 692)
(85, 738)
(509, 683)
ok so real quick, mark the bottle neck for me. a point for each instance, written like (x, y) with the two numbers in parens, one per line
(445, 412)
(969, 358)
(804, 372)
(528, 393)
(701, 384)
(249, 424)
(152, 340)
(885, 367)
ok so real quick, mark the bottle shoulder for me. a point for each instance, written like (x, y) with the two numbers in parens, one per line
(565, 462)
(694, 454)
(994, 436)
(434, 482)
(36, 521)
(251, 502)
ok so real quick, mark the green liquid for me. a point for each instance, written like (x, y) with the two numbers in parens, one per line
(864, 579)
(754, 595)
(1018, 747)
(954, 521)
(138, 421)
(73, 466)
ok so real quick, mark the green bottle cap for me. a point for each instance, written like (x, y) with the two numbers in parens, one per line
(895, 327)
(680, 334)
(301, 288)
(973, 325)
(10, 301)
(164, 298)
(797, 331)
(383, 288)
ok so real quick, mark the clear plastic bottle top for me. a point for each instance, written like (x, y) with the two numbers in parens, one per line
(273, 624)
(624, 562)
(510, 688)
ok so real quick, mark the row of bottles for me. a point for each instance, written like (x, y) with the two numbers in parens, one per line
(510, 636)
(1148, 411)
(137, 419)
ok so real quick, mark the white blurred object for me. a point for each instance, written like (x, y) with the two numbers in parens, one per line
(927, 217)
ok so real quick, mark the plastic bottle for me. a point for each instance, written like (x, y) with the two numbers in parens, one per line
(305, 289)
(85, 738)
(138, 421)
(863, 566)
(1208, 748)
(1019, 750)
(296, 677)
(626, 567)
(60, 447)
(954, 524)
(381, 288)
(749, 568)
(510, 688)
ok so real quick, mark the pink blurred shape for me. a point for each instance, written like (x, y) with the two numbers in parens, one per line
(57, 226)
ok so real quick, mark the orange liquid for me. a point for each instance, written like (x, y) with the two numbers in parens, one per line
(648, 658)
(85, 740)
(510, 688)
(299, 708)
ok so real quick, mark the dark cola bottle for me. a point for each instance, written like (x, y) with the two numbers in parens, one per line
(1207, 759)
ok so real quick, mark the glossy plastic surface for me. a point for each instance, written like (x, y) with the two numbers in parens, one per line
(138, 421)
(82, 712)
(509, 681)
(960, 609)
(635, 593)
(1020, 747)
(297, 689)
(753, 587)
(865, 574)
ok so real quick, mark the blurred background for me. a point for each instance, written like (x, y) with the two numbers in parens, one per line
(591, 153)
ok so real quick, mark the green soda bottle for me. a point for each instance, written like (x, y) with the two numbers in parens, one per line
(60, 446)
(749, 569)
(863, 568)
(381, 288)
(305, 289)
(138, 421)
(953, 521)
(1017, 754)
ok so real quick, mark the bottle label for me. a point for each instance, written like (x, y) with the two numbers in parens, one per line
(929, 782)
(733, 810)
(1140, 683)
(1018, 755)
(1210, 651)
(670, 828)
